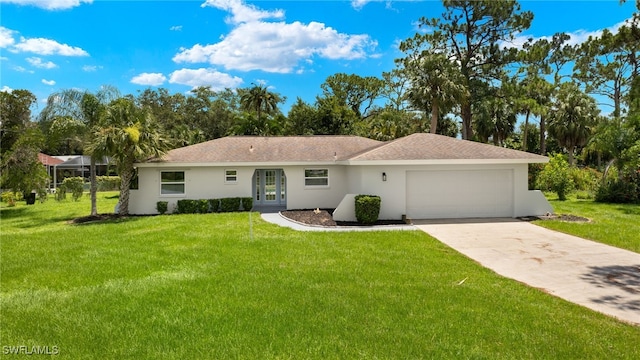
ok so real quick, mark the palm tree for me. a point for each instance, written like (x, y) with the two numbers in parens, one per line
(260, 100)
(435, 85)
(88, 108)
(571, 118)
(127, 134)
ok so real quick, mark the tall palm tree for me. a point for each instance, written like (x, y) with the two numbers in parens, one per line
(435, 84)
(88, 108)
(260, 100)
(571, 118)
(127, 134)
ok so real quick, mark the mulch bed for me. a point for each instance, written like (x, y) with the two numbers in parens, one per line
(560, 217)
(323, 217)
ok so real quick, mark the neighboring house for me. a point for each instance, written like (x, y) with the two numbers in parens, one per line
(64, 166)
(419, 176)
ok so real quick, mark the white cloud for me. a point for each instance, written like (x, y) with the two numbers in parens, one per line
(91, 68)
(176, 28)
(37, 62)
(277, 47)
(21, 69)
(6, 37)
(48, 82)
(43, 46)
(49, 4)
(359, 4)
(204, 77)
(6, 89)
(241, 12)
(151, 79)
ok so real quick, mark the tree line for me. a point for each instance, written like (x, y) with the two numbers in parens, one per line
(462, 77)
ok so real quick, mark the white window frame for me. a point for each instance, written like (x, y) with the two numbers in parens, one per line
(227, 176)
(315, 186)
(183, 183)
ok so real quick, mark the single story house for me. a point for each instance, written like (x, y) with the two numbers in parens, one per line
(420, 176)
(64, 166)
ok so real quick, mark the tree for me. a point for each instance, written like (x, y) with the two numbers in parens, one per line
(300, 119)
(495, 118)
(21, 169)
(259, 99)
(571, 118)
(435, 83)
(87, 108)
(356, 92)
(15, 116)
(127, 134)
(556, 177)
(469, 33)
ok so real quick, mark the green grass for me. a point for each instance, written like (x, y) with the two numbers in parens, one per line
(612, 224)
(199, 286)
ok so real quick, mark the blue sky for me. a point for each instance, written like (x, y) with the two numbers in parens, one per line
(290, 46)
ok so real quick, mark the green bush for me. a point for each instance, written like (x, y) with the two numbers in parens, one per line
(214, 205)
(247, 203)
(534, 172)
(61, 193)
(619, 191)
(73, 185)
(556, 177)
(585, 179)
(10, 198)
(230, 204)
(162, 207)
(188, 206)
(367, 208)
(108, 183)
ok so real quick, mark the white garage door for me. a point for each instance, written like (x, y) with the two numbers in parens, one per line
(459, 194)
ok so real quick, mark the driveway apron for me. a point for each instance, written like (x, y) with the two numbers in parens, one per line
(601, 277)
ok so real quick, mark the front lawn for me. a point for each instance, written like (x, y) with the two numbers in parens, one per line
(613, 224)
(215, 286)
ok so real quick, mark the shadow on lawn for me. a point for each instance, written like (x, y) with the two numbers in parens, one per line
(626, 278)
(16, 217)
(630, 209)
(104, 219)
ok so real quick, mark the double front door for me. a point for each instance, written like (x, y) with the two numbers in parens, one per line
(269, 187)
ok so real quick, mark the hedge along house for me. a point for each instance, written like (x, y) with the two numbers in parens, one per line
(420, 176)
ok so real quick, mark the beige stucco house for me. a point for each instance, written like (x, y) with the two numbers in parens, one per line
(420, 176)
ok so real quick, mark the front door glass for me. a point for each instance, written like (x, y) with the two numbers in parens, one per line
(270, 184)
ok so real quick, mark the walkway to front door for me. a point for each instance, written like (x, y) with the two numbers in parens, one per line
(269, 187)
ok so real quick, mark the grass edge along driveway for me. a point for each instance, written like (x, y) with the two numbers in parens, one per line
(197, 286)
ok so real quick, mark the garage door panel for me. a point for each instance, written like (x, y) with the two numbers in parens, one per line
(459, 194)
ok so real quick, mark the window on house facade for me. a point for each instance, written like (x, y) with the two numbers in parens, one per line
(172, 182)
(230, 176)
(316, 177)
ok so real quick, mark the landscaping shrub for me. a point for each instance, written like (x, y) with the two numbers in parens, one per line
(162, 207)
(188, 206)
(367, 208)
(620, 191)
(61, 193)
(108, 183)
(73, 185)
(10, 198)
(534, 172)
(230, 204)
(247, 203)
(214, 205)
(556, 177)
(585, 179)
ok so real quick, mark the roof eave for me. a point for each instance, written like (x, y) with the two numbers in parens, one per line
(540, 160)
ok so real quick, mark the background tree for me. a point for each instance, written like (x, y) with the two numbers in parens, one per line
(571, 118)
(259, 100)
(355, 92)
(85, 108)
(127, 134)
(300, 119)
(469, 33)
(15, 115)
(21, 169)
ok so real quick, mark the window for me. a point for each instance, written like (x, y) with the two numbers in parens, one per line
(172, 183)
(230, 176)
(316, 177)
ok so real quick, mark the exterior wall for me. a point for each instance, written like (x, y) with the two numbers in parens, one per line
(208, 183)
(368, 180)
(200, 183)
(300, 196)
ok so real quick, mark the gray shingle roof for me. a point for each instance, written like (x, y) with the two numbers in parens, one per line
(421, 146)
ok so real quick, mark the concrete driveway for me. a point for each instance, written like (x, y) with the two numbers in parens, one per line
(598, 276)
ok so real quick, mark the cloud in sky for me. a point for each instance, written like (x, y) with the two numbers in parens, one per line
(176, 28)
(91, 68)
(6, 89)
(276, 47)
(37, 62)
(241, 12)
(48, 82)
(151, 79)
(6, 37)
(43, 46)
(49, 4)
(205, 77)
